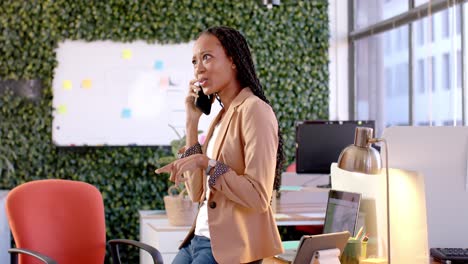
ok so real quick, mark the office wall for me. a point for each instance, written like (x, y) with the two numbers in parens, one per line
(289, 43)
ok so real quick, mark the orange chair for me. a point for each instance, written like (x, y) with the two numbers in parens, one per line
(62, 221)
(291, 167)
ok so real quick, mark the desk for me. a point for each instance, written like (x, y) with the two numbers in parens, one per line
(293, 208)
(274, 260)
(156, 231)
(300, 202)
(304, 207)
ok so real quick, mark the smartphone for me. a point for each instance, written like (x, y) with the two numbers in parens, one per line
(203, 102)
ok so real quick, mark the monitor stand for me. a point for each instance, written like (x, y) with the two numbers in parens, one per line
(328, 185)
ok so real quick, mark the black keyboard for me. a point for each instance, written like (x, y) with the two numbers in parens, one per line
(450, 255)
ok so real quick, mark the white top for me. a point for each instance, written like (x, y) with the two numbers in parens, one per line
(201, 227)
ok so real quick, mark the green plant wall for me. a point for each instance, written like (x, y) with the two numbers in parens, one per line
(289, 44)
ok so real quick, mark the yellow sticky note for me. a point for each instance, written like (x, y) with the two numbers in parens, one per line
(86, 84)
(62, 109)
(67, 85)
(126, 54)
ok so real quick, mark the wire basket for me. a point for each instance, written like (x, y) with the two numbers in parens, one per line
(180, 209)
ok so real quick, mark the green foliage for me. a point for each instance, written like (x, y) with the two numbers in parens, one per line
(6, 166)
(289, 44)
(176, 145)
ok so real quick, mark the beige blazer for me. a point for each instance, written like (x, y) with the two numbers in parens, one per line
(241, 222)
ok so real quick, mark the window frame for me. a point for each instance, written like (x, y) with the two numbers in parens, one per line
(406, 18)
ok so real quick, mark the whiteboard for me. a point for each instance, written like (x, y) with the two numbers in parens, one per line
(120, 94)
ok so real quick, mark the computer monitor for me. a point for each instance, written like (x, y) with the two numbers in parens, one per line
(342, 212)
(319, 143)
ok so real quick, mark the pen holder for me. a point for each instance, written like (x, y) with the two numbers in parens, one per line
(351, 252)
(364, 249)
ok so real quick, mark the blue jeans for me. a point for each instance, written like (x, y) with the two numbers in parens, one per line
(197, 251)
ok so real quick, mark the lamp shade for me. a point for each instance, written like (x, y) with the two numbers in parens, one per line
(361, 156)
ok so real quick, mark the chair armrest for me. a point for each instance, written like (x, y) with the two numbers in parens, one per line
(41, 257)
(157, 258)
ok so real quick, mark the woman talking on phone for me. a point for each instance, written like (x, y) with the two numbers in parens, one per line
(234, 173)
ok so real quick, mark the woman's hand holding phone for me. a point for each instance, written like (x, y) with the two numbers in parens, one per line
(203, 102)
(193, 113)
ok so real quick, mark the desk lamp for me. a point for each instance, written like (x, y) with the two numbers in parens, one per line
(361, 157)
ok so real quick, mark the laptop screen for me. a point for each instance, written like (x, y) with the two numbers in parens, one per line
(342, 212)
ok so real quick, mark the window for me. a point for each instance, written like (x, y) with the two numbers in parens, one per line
(420, 2)
(431, 25)
(452, 123)
(402, 39)
(388, 81)
(420, 34)
(391, 89)
(370, 12)
(445, 24)
(387, 42)
(459, 69)
(402, 79)
(382, 80)
(421, 76)
(432, 77)
(446, 71)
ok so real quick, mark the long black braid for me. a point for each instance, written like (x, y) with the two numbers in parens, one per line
(237, 48)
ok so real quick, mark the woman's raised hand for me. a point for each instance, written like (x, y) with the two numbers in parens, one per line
(193, 113)
(178, 167)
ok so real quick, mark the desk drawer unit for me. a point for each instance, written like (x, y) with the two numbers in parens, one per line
(156, 231)
(168, 240)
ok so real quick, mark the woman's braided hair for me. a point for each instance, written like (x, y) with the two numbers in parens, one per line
(237, 48)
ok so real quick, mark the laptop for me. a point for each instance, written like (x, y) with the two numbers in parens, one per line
(340, 223)
(342, 212)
